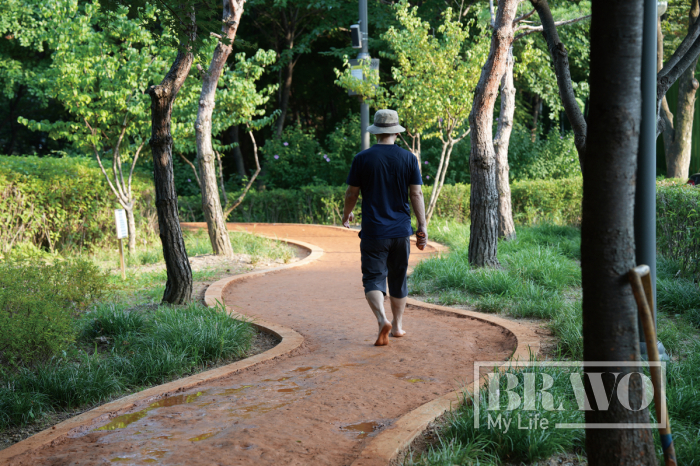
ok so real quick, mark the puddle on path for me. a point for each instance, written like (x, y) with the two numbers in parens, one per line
(233, 391)
(363, 429)
(290, 389)
(407, 378)
(247, 412)
(203, 436)
(302, 369)
(124, 420)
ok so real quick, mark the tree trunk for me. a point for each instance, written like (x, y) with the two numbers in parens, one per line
(284, 101)
(607, 233)
(131, 227)
(665, 113)
(681, 131)
(178, 288)
(237, 153)
(211, 202)
(483, 240)
(506, 227)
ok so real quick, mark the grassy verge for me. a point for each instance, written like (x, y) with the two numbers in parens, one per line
(108, 336)
(122, 350)
(197, 243)
(540, 277)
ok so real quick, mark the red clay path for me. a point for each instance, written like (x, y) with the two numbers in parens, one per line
(317, 406)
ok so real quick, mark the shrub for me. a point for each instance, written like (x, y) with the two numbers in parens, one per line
(37, 304)
(678, 226)
(59, 203)
(298, 159)
(547, 158)
(557, 201)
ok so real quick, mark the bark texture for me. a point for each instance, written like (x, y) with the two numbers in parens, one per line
(178, 288)
(560, 58)
(678, 131)
(506, 227)
(206, 159)
(483, 241)
(607, 234)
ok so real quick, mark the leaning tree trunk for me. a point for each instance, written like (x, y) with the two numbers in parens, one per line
(678, 136)
(506, 227)
(607, 232)
(178, 288)
(560, 59)
(483, 240)
(211, 202)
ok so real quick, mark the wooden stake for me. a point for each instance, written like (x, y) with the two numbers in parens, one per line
(121, 258)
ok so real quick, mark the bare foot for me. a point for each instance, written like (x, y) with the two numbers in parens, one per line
(397, 332)
(383, 338)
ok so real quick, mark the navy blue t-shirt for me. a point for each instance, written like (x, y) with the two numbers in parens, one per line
(383, 173)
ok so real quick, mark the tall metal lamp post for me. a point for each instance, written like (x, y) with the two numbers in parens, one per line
(645, 196)
(359, 41)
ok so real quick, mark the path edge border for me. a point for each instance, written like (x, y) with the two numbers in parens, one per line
(389, 445)
(290, 340)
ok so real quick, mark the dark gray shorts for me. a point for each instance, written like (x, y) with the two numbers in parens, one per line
(385, 260)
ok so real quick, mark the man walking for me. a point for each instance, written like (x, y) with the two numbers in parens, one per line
(386, 175)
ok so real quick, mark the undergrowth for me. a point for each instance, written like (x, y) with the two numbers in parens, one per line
(540, 277)
(118, 349)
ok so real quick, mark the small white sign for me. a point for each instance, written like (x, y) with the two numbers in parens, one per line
(356, 72)
(120, 217)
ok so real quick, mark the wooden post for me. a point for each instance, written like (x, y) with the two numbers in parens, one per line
(121, 257)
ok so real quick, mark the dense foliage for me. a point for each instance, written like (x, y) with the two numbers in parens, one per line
(58, 204)
(678, 227)
(38, 304)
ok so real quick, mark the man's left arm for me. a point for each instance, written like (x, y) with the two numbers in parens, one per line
(352, 194)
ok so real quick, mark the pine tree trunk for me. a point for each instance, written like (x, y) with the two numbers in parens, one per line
(506, 227)
(131, 227)
(483, 240)
(211, 202)
(607, 233)
(178, 288)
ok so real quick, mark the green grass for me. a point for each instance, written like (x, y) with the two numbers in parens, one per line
(540, 277)
(143, 348)
(197, 243)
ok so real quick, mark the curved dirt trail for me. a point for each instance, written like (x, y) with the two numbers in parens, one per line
(320, 404)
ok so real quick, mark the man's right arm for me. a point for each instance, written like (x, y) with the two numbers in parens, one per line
(416, 194)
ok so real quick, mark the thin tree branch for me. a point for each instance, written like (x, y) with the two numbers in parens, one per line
(682, 50)
(250, 183)
(99, 162)
(666, 77)
(561, 67)
(194, 169)
(133, 164)
(532, 29)
(525, 16)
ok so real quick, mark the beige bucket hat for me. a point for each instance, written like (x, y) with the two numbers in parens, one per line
(386, 122)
